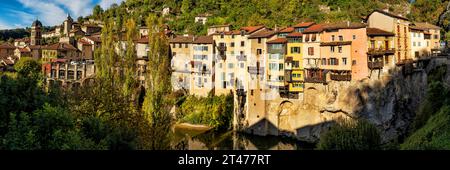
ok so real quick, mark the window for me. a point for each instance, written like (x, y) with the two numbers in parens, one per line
(232, 44)
(354, 37)
(340, 49)
(332, 49)
(436, 36)
(222, 76)
(230, 65)
(242, 43)
(185, 45)
(332, 38)
(334, 61)
(313, 38)
(206, 80)
(428, 43)
(295, 64)
(232, 36)
(310, 50)
(414, 44)
(341, 38)
(242, 65)
(280, 78)
(174, 46)
(281, 66)
(179, 45)
(324, 61)
(258, 51)
(354, 62)
(277, 46)
(307, 38)
(273, 66)
(295, 50)
(220, 65)
(259, 40)
(344, 61)
(222, 36)
(420, 44)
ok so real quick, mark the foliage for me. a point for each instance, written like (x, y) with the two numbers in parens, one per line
(434, 135)
(437, 96)
(157, 105)
(214, 111)
(13, 33)
(348, 135)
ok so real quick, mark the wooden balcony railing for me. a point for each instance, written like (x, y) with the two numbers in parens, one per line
(315, 80)
(337, 77)
(375, 64)
(381, 51)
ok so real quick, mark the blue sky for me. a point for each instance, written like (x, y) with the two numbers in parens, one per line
(21, 13)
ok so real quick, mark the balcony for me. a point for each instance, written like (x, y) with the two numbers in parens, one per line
(381, 51)
(315, 80)
(375, 65)
(255, 70)
(339, 77)
(222, 48)
(241, 57)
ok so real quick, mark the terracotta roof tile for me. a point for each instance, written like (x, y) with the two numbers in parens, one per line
(378, 32)
(182, 39)
(315, 28)
(262, 34)
(7, 46)
(204, 40)
(304, 24)
(61, 47)
(251, 29)
(424, 25)
(278, 41)
(287, 30)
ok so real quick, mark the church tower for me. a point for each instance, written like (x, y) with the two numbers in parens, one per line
(68, 25)
(36, 34)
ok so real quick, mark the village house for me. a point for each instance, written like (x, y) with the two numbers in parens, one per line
(397, 24)
(202, 63)
(181, 48)
(380, 51)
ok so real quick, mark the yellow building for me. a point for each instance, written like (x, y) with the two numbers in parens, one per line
(295, 60)
(59, 50)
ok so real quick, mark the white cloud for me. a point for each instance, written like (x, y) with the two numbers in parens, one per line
(77, 7)
(105, 4)
(49, 13)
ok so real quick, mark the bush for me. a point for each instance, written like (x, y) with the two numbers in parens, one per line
(434, 135)
(347, 135)
(214, 111)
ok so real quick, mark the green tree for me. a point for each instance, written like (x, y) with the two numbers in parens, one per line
(157, 105)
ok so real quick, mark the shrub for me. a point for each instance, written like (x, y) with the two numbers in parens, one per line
(348, 135)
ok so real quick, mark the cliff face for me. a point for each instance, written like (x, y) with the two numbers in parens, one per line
(389, 102)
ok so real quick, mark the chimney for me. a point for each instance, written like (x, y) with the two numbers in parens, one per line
(386, 10)
(276, 27)
(348, 23)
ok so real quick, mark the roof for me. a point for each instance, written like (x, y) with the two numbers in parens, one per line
(378, 32)
(234, 32)
(7, 46)
(304, 24)
(315, 28)
(26, 39)
(61, 47)
(287, 30)
(24, 50)
(143, 40)
(7, 61)
(336, 43)
(36, 23)
(295, 34)
(389, 14)
(182, 39)
(278, 41)
(251, 29)
(204, 40)
(84, 42)
(425, 25)
(95, 38)
(262, 34)
(35, 47)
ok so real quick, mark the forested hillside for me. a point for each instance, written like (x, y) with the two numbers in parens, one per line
(272, 13)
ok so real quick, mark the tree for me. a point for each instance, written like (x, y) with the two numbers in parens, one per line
(185, 6)
(97, 11)
(157, 105)
(129, 67)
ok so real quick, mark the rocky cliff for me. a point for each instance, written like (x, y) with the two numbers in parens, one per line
(389, 101)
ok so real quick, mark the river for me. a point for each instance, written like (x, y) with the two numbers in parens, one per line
(189, 139)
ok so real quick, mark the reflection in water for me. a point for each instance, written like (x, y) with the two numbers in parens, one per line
(212, 140)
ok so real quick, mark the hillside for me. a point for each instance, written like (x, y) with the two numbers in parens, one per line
(272, 13)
